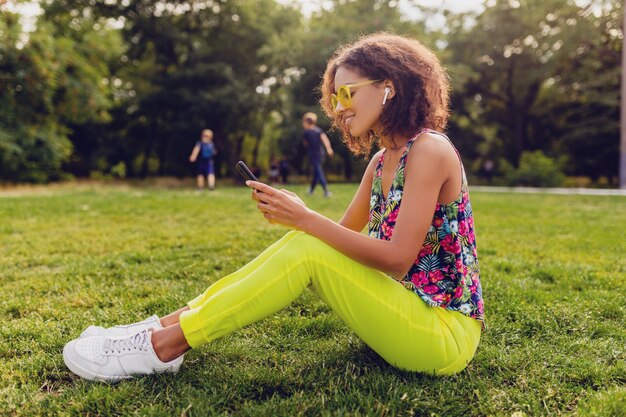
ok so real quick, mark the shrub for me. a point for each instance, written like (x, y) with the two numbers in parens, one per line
(535, 170)
(33, 154)
(119, 170)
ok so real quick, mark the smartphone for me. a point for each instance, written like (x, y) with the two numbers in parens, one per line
(245, 171)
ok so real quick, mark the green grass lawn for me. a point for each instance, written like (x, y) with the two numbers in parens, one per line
(553, 271)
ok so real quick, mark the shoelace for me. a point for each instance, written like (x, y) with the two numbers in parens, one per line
(139, 341)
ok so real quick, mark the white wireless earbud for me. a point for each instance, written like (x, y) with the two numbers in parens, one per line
(387, 91)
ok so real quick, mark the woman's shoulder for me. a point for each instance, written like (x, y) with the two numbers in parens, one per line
(374, 161)
(436, 152)
(433, 145)
(372, 164)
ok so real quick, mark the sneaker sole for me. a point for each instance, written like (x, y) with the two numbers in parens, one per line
(84, 373)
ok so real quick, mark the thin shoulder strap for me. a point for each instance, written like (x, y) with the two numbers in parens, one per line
(448, 139)
(414, 139)
(434, 132)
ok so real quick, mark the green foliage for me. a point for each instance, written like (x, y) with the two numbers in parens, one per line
(553, 297)
(136, 81)
(49, 82)
(535, 170)
(338, 23)
(578, 109)
(537, 74)
(218, 66)
(119, 170)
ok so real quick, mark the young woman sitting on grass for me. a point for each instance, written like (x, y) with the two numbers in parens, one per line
(410, 288)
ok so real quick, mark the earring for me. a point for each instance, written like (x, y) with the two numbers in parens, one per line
(387, 91)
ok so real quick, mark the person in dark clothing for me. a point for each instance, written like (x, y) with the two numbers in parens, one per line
(203, 153)
(317, 144)
(273, 177)
(283, 169)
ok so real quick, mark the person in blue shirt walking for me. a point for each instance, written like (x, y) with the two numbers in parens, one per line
(203, 153)
(316, 141)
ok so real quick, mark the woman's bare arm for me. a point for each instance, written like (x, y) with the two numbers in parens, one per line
(429, 164)
(356, 215)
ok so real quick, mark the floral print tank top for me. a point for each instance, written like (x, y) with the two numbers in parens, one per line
(445, 272)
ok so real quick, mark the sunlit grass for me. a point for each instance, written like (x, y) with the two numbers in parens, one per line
(553, 270)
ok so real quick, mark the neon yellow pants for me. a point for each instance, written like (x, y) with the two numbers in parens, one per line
(393, 321)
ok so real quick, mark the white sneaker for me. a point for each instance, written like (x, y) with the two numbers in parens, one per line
(111, 359)
(124, 329)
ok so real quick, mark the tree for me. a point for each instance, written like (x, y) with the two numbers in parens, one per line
(47, 83)
(339, 22)
(534, 74)
(190, 66)
(622, 159)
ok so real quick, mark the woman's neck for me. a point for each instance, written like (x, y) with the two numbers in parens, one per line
(389, 142)
(393, 144)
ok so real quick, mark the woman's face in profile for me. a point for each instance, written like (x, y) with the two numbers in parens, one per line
(364, 112)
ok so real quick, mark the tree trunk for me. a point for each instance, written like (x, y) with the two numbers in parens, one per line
(239, 146)
(622, 153)
(146, 157)
(255, 151)
(519, 114)
(163, 152)
(516, 127)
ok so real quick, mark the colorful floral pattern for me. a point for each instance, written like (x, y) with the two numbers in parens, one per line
(445, 273)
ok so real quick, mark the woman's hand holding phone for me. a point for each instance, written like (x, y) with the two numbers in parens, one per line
(279, 206)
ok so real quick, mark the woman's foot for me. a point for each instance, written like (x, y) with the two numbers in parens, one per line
(112, 359)
(170, 343)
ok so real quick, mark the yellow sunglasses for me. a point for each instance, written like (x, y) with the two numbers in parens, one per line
(343, 95)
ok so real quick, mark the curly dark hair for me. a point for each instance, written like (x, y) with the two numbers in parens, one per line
(421, 83)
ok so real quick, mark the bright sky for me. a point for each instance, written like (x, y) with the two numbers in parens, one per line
(437, 21)
(410, 7)
(31, 9)
(454, 5)
(309, 6)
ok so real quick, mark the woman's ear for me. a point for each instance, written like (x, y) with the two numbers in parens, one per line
(392, 89)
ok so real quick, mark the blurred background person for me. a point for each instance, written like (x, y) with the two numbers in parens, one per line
(274, 171)
(202, 154)
(283, 169)
(316, 141)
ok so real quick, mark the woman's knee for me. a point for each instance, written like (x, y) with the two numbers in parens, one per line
(293, 233)
(306, 248)
(427, 364)
(304, 242)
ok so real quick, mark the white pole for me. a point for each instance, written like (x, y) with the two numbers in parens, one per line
(622, 153)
